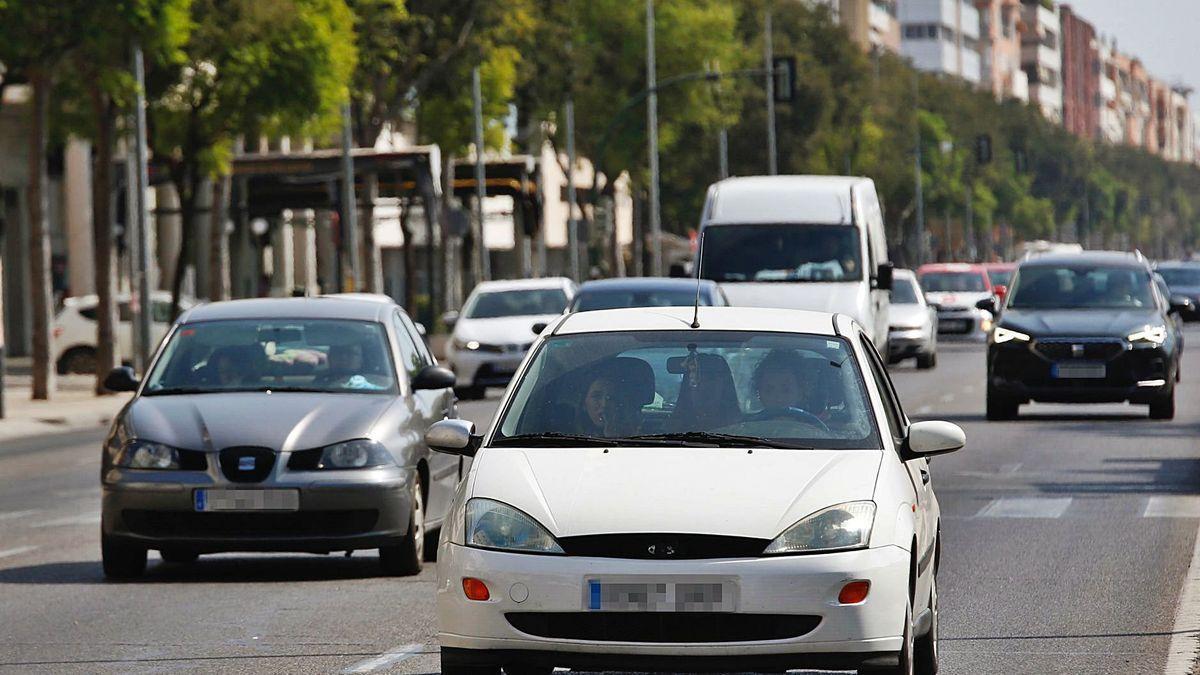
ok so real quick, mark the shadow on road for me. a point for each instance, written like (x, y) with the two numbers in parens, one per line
(224, 569)
(1132, 475)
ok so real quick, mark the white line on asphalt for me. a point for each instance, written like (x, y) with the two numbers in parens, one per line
(1026, 507)
(389, 658)
(946, 398)
(925, 410)
(17, 514)
(1185, 640)
(1172, 507)
(16, 551)
(85, 519)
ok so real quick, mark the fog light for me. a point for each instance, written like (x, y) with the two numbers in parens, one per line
(852, 593)
(475, 589)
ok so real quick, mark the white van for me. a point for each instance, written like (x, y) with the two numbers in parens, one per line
(800, 242)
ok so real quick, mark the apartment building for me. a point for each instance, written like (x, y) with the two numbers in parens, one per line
(1081, 75)
(1041, 56)
(1000, 49)
(942, 36)
(873, 24)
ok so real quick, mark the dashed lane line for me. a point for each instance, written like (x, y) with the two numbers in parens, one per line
(12, 515)
(79, 519)
(8, 552)
(1185, 640)
(390, 658)
(1026, 507)
(1172, 506)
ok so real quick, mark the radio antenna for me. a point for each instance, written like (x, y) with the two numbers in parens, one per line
(699, 268)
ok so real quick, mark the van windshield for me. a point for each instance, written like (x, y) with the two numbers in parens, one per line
(781, 253)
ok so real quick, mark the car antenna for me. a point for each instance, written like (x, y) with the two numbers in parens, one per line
(699, 268)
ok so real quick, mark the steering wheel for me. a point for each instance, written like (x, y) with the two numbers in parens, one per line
(801, 415)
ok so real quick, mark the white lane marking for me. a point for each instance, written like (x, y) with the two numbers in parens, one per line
(946, 398)
(17, 514)
(925, 410)
(1185, 638)
(84, 519)
(1026, 507)
(16, 551)
(389, 658)
(1172, 507)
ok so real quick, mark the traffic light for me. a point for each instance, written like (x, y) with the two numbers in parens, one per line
(783, 69)
(983, 149)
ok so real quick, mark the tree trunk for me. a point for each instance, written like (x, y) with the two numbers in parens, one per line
(40, 284)
(107, 354)
(188, 187)
(218, 251)
(372, 266)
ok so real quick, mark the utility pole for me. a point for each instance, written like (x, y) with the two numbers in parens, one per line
(349, 203)
(141, 222)
(723, 149)
(572, 225)
(920, 190)
(768, 63)
(485, 264)
(652, 125)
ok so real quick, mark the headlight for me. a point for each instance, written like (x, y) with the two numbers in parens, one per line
(469, 345)
(357, 454)
(492, 524)
(1002, 335)
(1149, 335)
(140, 454)
(837, 528)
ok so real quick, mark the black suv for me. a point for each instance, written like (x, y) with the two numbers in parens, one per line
(1083, 328)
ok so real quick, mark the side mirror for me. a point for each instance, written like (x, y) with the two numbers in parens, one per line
(433, 377)
(883, 276)
(121, 378)
(1182, 304)
(454, 437)
(421, 329)
(990, 304)
(539, 327)
(927, 439)
(450, 318)
(1000, 290)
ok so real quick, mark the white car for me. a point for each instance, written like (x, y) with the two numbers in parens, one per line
(912, 323)
(496, 328)
(73, 334)
(746, 495)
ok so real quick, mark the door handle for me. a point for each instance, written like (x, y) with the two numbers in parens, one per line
(925, 476)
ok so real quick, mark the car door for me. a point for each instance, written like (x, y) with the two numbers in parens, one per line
(426, 407)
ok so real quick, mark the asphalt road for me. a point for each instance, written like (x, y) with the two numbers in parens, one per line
(1067, 536)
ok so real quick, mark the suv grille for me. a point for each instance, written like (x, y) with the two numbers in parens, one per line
(663, 546)
(247, 464)
(662, 626)
(1093, 349)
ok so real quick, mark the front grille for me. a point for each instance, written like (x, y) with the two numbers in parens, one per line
(1089, 349)
(247, 464)
(662, 626)
(248, 524)
(663, 546)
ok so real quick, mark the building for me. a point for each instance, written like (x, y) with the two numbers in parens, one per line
(873, 24)
(1041, 56)
(1081, 74)
(942, 36)
(1000, 49)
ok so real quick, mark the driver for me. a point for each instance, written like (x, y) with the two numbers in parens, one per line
(784, 390)
(606, 411)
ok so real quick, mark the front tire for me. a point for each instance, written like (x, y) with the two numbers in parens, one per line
(906, 663)
(927, 360)
(1001, 407)
(121, 560)
(78, 361)
(406, 557)
(1163, 408)
(471, 393)
(926, 647)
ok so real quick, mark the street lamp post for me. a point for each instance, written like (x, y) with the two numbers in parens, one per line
(656, 265)
(768, 64)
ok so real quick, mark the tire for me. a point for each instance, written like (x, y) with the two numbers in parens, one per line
(405, 558)
(431, 544)
(121, 560)
(1001, 407)
(528, 670)
(907, 648)
(1163, 408)
(925, 654)
(178, 556)
(77, 360)
(452, 663)
(472, 393)
(927, 360)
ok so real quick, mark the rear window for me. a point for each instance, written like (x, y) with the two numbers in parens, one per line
(955, 282)
(588, 301)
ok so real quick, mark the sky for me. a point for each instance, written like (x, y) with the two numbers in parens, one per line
(1163, 33)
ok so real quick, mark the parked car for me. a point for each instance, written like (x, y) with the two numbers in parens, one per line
(1000, 276)
(1083, 328)
(646, 292)
(912, 323)
(800, 242)
(279, 425)
(1183, 278)
(491, 336)
(746, 495)
(73, 334)
(955, 289)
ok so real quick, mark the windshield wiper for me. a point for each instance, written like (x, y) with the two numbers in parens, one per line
(725, 440)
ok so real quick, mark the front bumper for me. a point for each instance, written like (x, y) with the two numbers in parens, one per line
(803, 586)
(1137, 375)
(906, 342)
(968, 323)
(359, 509)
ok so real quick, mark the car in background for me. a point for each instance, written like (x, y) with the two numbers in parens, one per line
(744, 495)
(1083, 328)
(73, 333)
(646, 292)
(287, 424)
(497, 325)
(954, 290)
(1000, 275)
(912, 323)
(1185, 303)
(1183, 278)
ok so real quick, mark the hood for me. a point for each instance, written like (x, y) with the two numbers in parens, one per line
(280, 421)
(908, 316)
(1079, 322)
(724, 491)
(948, 299)
(846, 297)
(501, 331)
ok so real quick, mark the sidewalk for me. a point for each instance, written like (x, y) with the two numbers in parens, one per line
(73, 408)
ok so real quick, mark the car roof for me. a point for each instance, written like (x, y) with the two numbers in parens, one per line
(1110, 258)
(711, 318)
(1000, 266)
(290, 308)
(522, 284)
(645, 283)
(951, 267)
(778, 199)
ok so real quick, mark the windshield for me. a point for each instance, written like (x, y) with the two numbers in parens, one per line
(904, 292)
(781, 253)
(1081, 287)
(1181, 276)
(589, 300)
(953, 282)
(1000, 277)
(526, 302)
(778, 389)
(319, 355)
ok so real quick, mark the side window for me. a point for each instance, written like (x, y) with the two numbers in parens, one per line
(891, 403)
(161, 312)
(419, 340)
(411, 360)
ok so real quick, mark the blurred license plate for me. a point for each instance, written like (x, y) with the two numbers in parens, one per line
(954, 325)
(246, 500)
(1079, 371)
(703, 594)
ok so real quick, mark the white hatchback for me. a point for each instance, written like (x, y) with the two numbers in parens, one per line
(743, 495)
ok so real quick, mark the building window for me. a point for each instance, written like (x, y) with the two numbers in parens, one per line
(921, 31)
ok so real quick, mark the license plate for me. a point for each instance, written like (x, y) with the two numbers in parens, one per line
(246, 500)
(701, 594)
(1079, 371)
(954, 325)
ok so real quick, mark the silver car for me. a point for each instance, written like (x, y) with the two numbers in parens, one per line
(279, 425)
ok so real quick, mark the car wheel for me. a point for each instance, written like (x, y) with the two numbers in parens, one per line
(178, 556)
(926, 652)
(78, 360)
(121, 560)
(1163, 408)
(528, 670)
(1001, 407)
(906, 662)
(927, 360)
(431, 544)
(453, 663)
(472, 393)
(405, 558)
